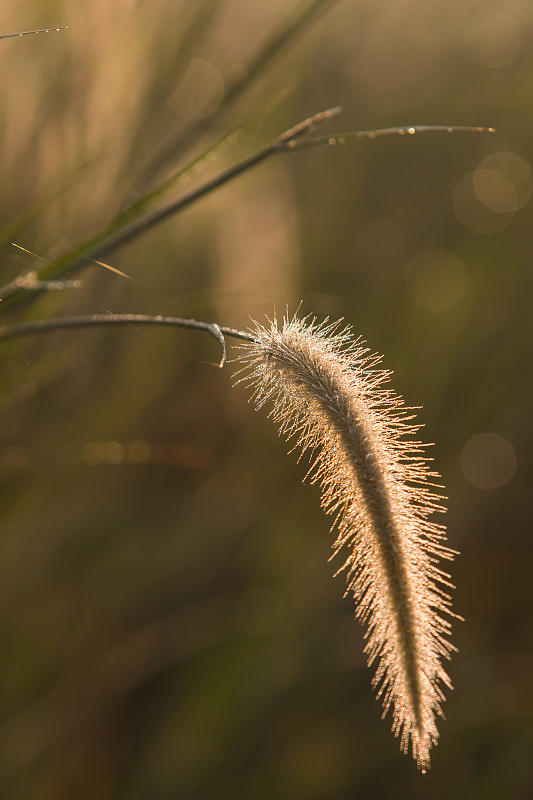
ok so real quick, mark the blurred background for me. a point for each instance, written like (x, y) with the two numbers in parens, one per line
(169, 624)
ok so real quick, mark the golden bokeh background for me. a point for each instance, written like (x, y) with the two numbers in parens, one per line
(169, 625)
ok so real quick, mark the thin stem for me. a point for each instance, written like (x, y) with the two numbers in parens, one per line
(341, 138)
(219, 332)
(28, 33)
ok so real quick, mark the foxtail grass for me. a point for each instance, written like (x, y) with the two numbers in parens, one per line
(326, 390)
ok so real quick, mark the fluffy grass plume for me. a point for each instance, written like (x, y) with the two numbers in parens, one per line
(326, 390)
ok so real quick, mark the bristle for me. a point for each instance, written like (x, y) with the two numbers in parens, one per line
(326, 390)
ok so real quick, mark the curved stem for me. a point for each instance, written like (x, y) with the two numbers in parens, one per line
(219, 332)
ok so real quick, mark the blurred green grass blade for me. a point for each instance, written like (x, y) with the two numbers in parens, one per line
(116, 234)
(188, 42)
(295, 24)
(32, 211)
(117, 231)
(95, 246)
(161, 189)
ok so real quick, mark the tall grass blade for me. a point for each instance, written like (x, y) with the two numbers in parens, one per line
(292, 27)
